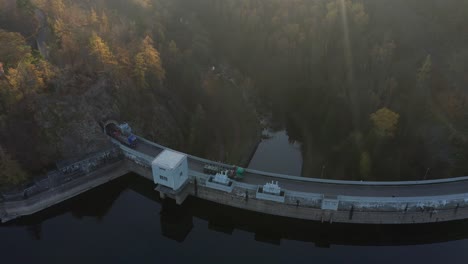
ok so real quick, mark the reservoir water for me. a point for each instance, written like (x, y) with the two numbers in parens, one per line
(277, 154)
(125, 222)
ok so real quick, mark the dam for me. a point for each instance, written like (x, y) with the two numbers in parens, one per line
(357, 202)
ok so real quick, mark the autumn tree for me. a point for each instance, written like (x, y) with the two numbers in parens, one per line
(53, 7)
(139, 70)
(30, 77)
(385, 122)
(148, 66)
(22, 73)
(101, 52)
(13, 48)
(93, 18)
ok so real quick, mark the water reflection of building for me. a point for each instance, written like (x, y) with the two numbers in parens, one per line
(176, 221)
(35, 231)
(219, 226)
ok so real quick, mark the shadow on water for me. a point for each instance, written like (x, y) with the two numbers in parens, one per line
(177, 221)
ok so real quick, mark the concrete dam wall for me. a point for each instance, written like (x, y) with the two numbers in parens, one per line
(302, 198)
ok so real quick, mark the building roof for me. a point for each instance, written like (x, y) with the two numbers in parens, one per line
(168, 159)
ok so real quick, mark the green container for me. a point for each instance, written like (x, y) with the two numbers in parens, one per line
(240, 171)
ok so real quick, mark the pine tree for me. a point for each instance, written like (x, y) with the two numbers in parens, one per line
(423, 76)
(198, 131)
(11, 172)
(365, 165)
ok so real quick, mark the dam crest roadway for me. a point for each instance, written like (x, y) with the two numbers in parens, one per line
(362, 202)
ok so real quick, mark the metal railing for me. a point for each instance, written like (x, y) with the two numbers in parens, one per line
(63, 175)
(314, 200)
(317, 180)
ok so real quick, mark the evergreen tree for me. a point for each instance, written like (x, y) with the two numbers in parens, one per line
(11, 172)
(365, 165)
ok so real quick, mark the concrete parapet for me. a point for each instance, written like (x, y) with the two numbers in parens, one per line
(137, 157)
(330, 204)
(344, 209)
(404, 203)
(10, 210)
(304, 199)
(75, 178)
(269, 197)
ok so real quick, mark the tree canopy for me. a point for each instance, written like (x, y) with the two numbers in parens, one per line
(327, 69)
(385, 122)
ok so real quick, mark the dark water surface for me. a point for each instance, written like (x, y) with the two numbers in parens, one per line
(125, 222)
(277, 154)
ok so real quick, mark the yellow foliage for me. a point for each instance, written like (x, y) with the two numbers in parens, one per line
(93, 17)
(101, 51)
(140, 69)
(26, 77)
(385, 122)
(55, 7)
(148, 60)
(153, 58)
(13, 48)
(143, 3)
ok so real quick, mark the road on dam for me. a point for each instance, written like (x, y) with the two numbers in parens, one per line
(331, 189)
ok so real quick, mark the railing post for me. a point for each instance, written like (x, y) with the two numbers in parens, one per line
(351, 212)
(427, 171)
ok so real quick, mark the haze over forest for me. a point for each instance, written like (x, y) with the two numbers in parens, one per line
(373, 89)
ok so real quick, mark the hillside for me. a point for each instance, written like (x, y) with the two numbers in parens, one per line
(69, 64)
(374, 90)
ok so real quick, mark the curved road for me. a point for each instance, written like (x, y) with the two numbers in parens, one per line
(332, 189)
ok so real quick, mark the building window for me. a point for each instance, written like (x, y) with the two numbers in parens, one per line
(180, 174)
(162, 169)
(163, 178)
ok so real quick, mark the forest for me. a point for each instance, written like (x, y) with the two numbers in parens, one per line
(374, 90)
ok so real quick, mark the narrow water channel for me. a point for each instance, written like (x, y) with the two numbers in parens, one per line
(125, 222)
(277, 154)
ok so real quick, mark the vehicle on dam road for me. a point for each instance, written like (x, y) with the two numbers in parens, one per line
(234, 172)
(122, 133)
